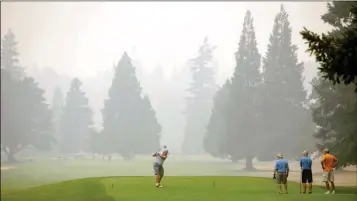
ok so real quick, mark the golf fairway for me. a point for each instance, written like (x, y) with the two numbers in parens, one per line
(175, 189)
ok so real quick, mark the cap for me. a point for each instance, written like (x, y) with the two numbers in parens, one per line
(326, 150)
(305, 152)
(280, 155)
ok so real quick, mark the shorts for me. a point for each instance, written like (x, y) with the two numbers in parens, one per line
(306, 176)
(158, 169)
(281, 178)
(328, 176)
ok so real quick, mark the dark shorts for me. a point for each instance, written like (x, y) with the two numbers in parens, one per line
(158, 169)
(306, 176)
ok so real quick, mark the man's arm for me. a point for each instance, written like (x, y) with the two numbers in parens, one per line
(275, 168)
(155, 154)
(322, 161)
(335, 162)
(300, 163)
(287, 169)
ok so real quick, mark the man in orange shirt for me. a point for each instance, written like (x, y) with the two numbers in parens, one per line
(328, 163)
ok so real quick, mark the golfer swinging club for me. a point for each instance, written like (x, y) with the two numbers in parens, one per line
(281, 173)
(306, 173)
(160, 157)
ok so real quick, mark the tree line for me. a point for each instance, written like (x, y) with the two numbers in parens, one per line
(263, 108)
(260, 110)
(130, 126)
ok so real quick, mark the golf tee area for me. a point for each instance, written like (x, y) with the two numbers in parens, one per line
(87, 180)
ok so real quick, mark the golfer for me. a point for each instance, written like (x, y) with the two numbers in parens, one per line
(281, 173)
(306, 173)
(160, 157)
(328, 163)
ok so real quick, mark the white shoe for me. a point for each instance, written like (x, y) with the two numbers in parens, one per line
(333, 192)
(328, 192)
(159, 186)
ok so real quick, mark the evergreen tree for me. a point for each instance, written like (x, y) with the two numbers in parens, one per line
(285, 96)
(335, 109)
(244, 113)
(336, 52)
(199, 104)
(25, 117)
(57, 109)
(150, 138)
(10, 56)
(129, 122)
(216, 136)
(76, 119)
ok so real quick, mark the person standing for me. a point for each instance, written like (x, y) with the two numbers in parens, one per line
(160, 158)
(281, 173)
(328, 164)
(306, 173)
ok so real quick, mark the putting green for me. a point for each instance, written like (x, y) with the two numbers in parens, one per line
(175, 189)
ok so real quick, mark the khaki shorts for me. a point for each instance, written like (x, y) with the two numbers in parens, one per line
(281, 178)
(328, 176)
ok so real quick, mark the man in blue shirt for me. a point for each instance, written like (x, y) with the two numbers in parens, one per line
(306, 174)
(281, 173)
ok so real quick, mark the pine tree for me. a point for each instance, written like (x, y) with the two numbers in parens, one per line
(336, 52)
(244, 113)
(129, 122)
(76, 119)
(335, 110)
(25, 117)
(285, 96)
(202, 90)
(10, 56)
(216, 136)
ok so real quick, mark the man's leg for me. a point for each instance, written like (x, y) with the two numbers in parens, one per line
(310, 188)
(326, 179)
(309, 180)
(327, 186)
(278, 182)
(303, 180)
(333, 187)
(285, 180)
(304, 187)
(332, 181)
(157, 174)
(161, 173)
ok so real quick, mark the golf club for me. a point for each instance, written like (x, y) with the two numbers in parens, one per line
(300, 180)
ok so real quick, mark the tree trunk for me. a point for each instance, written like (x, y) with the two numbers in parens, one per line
(249, 163)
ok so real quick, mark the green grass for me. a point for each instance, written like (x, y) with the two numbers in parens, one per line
(97, 180)
(175, 189)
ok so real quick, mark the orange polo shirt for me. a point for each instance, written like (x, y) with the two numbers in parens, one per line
(328, 161)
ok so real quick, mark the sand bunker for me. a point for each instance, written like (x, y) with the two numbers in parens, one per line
(6, 167)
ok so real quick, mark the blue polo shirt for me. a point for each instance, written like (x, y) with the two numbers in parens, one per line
(281, 165)
(305, 163)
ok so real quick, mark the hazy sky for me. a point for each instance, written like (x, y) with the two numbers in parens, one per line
(80, 38)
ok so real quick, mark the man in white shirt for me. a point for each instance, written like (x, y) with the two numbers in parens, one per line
(160, 158)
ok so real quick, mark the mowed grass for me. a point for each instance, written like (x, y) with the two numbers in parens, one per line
(226, 188)
(43, 172)
(118, 180)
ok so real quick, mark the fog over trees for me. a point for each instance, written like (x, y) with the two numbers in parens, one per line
(266, 105)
